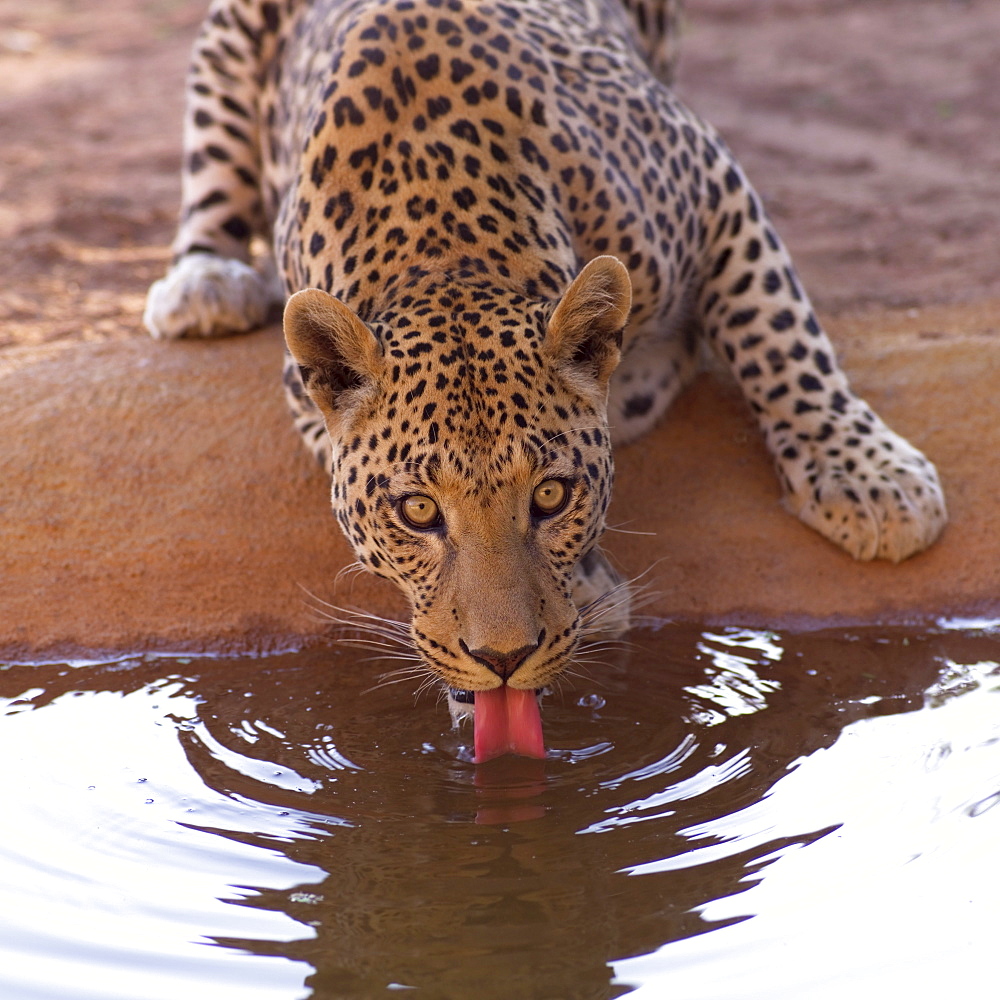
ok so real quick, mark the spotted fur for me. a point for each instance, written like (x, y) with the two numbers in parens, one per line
(503, 239)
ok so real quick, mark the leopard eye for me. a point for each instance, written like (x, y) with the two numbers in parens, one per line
(549, 498)
(419, 511)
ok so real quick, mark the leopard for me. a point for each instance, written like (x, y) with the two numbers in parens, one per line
(503, 245)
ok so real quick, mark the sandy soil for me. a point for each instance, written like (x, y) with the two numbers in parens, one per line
(870, 130)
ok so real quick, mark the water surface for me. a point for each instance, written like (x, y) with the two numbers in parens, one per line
(723, 813)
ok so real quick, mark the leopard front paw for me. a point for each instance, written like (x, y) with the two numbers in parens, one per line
(868, 490)
(208, 296)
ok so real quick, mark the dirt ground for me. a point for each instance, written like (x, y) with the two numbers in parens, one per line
(870, 130)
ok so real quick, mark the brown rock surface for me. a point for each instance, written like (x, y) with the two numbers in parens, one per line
(154, 496)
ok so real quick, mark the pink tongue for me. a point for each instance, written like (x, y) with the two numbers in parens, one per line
(507, 721)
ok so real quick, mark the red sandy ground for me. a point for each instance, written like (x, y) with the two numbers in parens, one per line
(870, 130)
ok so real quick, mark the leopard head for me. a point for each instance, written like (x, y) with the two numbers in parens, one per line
(472, 462)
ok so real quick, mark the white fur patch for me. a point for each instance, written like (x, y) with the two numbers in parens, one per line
(206, 296)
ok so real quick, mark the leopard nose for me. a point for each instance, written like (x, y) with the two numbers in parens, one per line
(502, 664)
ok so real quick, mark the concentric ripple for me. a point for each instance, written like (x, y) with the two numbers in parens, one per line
(721, 813)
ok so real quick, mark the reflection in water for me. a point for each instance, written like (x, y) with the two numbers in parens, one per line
(105, 889)
(715, 817)
(902, 897)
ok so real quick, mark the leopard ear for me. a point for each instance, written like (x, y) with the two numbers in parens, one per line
(584, 336)
(339, 358)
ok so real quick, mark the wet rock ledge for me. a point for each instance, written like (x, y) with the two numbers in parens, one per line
(155, 497)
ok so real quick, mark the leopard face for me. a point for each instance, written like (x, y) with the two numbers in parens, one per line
(471, 458)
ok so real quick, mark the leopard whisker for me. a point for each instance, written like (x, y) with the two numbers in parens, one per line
(393, 643)
(373, 631)
(427, 684)
(574, 430)
(627, 531)
(400, 676)
(353, 615)
(362, 620)
(576, 670)
(628, 592)
(391, 658)
(351, 569)
(611, 645)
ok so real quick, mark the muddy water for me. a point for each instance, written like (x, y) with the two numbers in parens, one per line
(723, 813)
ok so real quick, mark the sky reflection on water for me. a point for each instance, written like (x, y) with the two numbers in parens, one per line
(901, 897)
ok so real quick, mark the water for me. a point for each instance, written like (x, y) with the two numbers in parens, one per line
(723, 814)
